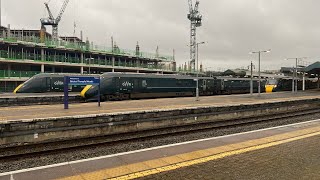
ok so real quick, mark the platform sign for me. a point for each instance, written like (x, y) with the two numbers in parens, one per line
(79, 81)
(83, 80)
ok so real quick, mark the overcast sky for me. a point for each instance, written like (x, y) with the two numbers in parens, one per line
(232, 28)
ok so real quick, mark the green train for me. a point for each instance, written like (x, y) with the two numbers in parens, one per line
(48, 82)
(123, 86)
(285, 84)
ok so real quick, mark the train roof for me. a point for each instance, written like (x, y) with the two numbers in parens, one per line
(63, 74)
(141, 75)
(290, 78)
(235, 78)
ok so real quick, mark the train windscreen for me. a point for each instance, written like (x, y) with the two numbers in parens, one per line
(272, 82)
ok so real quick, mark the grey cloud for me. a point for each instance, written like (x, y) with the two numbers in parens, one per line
(232, 28)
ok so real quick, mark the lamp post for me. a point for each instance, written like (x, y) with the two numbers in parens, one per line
(251, 77)
(197, 88)
(0, 14)
(259, 67)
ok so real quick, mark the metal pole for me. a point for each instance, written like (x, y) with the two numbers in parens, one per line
(293, 80)
(259, 84)
(197, 89)
(251, 81)
(304, 82)
(99, 98)
(296, 76)
(0, 14)
(89, 65)
(66, 93)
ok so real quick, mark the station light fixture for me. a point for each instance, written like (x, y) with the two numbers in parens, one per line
(259, 66)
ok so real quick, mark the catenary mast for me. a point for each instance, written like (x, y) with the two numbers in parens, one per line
(195, 18)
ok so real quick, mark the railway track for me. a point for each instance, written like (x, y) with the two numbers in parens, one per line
(54, 148)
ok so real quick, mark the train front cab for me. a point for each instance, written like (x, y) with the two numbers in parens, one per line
(271, 85)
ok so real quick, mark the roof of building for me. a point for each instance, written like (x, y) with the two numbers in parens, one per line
(313, 68)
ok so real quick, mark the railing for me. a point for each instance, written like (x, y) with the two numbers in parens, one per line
(76, 60)
(88, 47)
(6, 74)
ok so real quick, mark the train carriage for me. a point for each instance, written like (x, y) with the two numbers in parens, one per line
(285, 84)
(120, 86)
(48, 82)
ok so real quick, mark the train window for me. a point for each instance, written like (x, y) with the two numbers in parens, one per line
(272, 81)
(179, 82)
(144, 83)
(204, 82)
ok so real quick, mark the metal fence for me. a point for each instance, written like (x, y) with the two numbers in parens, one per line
(87, 47)
(6, 74)
(76, 60)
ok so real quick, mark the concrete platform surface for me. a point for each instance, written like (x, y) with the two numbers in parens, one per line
(47, 111)
(23, 95)
(286, 152)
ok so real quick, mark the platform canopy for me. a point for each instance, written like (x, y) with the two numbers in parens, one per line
(313, 68)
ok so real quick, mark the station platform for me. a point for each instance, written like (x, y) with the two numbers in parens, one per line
(23, 113)
(28, 99)
(286, 152)
(36, 95)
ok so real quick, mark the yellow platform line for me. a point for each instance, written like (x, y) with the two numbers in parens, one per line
(189, 159)
(210, 158)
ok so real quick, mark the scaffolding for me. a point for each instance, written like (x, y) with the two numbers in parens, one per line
(84, 47)
(7, 74)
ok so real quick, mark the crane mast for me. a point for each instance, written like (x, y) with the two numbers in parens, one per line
(54, 22)
(195, 18)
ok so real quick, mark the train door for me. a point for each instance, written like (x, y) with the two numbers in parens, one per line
(222, 85)
(204, 85)
(144, 85)
(117, 84)
(135, 85)
(47, 85)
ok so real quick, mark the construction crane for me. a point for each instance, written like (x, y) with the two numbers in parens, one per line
(195, 18)
(54, 22)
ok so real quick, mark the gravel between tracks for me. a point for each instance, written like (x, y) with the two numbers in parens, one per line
(101, 150)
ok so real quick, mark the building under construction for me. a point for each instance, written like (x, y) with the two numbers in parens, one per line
(24, 53)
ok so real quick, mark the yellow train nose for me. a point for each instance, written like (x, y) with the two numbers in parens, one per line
(85, 89)
(17, 89)
(269, 88)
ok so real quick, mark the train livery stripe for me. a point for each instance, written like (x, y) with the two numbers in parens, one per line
(15, 90)
(85, 89)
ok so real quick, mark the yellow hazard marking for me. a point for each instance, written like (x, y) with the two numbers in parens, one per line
(269, 88)
(84, 90)
(197, 157)
(17, 89)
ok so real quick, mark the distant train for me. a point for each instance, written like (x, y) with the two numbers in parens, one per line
(285, 84)
(123, 86)
(47, 82)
